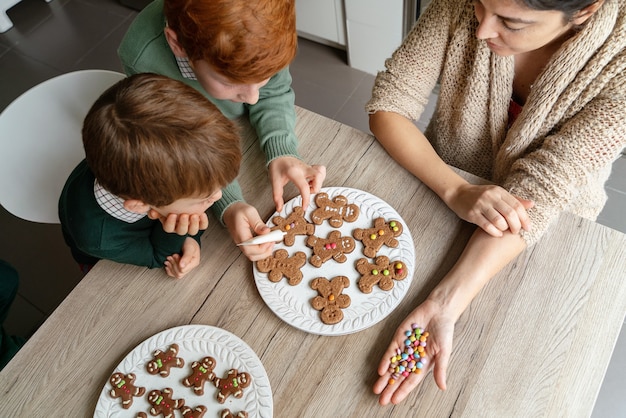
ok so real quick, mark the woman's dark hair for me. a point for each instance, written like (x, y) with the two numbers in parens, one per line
(568, 7)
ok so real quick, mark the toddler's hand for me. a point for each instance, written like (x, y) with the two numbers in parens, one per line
(183, 223)
(307, 178)
(177, 266)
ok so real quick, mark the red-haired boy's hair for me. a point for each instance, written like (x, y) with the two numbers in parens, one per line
(246, 41)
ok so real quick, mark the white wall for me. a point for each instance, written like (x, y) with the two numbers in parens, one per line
(369, 30)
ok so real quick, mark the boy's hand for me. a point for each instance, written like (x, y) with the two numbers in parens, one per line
(307, 178)
(183, 223)
(177, 266)
(242, 220)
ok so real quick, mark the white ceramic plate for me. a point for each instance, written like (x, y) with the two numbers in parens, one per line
(292, 304)
(194, 342)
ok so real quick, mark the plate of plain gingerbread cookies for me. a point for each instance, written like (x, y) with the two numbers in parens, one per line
(191, 371)
(343, 265)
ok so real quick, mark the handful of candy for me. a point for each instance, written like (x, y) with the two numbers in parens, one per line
(413, 358)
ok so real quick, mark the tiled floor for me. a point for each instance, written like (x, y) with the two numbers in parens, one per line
(49, 39)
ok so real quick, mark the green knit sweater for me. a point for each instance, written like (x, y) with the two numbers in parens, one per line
(93, 234)
(145, 49)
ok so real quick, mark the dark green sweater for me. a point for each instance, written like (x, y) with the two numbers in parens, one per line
(93, 234)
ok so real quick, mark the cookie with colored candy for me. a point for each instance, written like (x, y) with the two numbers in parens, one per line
(161, 402)
(123, 387)
(233, 384)
(382, 273)
(227, 414)
(334, 246)
(280, 265)
(294, 224)
(201, 372)
(331, 299)
(197, 412)
(163, 360)
(142, 415)
(336, 210)
(382, 233)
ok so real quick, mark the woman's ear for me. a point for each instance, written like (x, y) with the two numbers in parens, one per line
(583, 15)
(172, 40)
(137, 206)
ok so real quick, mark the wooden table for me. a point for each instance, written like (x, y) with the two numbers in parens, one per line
(535, 342)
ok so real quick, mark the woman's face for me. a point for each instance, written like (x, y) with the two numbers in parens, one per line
(510, 28)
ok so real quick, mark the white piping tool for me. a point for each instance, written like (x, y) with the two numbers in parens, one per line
(273, 236)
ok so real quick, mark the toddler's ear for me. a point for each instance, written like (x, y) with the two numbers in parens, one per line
(137, 206)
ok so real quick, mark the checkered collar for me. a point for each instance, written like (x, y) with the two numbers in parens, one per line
(185, 68)
(114, 205)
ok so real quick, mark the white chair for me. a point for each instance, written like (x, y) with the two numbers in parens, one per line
(40, 141)
(5, 22)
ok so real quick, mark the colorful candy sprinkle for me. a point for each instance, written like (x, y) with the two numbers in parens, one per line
(412, 359)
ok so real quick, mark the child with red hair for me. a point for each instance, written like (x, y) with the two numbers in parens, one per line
(235, 52)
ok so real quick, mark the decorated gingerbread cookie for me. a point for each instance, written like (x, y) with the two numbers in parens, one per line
(197, 412)
(331, 299)
(336, 210)
(163, 360)
(280, 265)
(161, 402)
(294, 224)
(227, 414)
(233, 384)
(382, 233)
(123, 387)
(381, 273)
(334, 246)
(201, 372)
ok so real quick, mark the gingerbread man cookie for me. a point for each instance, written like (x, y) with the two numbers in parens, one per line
(336, 210)
(293, 225)
(163, 360)
(227, 414)
(162, 403)
(334, 246)
(201, 371)
(197, 412)
(232, 384)
(383, 233)
(280, 264)
(331, 299)
(124, 388)
(383, 273)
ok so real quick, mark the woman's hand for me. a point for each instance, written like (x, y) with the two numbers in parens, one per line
(440, 326)
(490, 207)
(307, 178)
(177, 265)
(242, 220)
(181, 224)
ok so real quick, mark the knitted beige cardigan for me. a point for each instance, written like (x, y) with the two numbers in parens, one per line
(560, 149)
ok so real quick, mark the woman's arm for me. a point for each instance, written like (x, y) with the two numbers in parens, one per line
(483, 257)
(488, 206)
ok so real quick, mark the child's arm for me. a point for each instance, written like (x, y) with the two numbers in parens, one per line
(177, 265)
(307, 178)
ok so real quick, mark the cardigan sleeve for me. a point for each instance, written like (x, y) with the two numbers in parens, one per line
(567, 172)
(414, 68)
